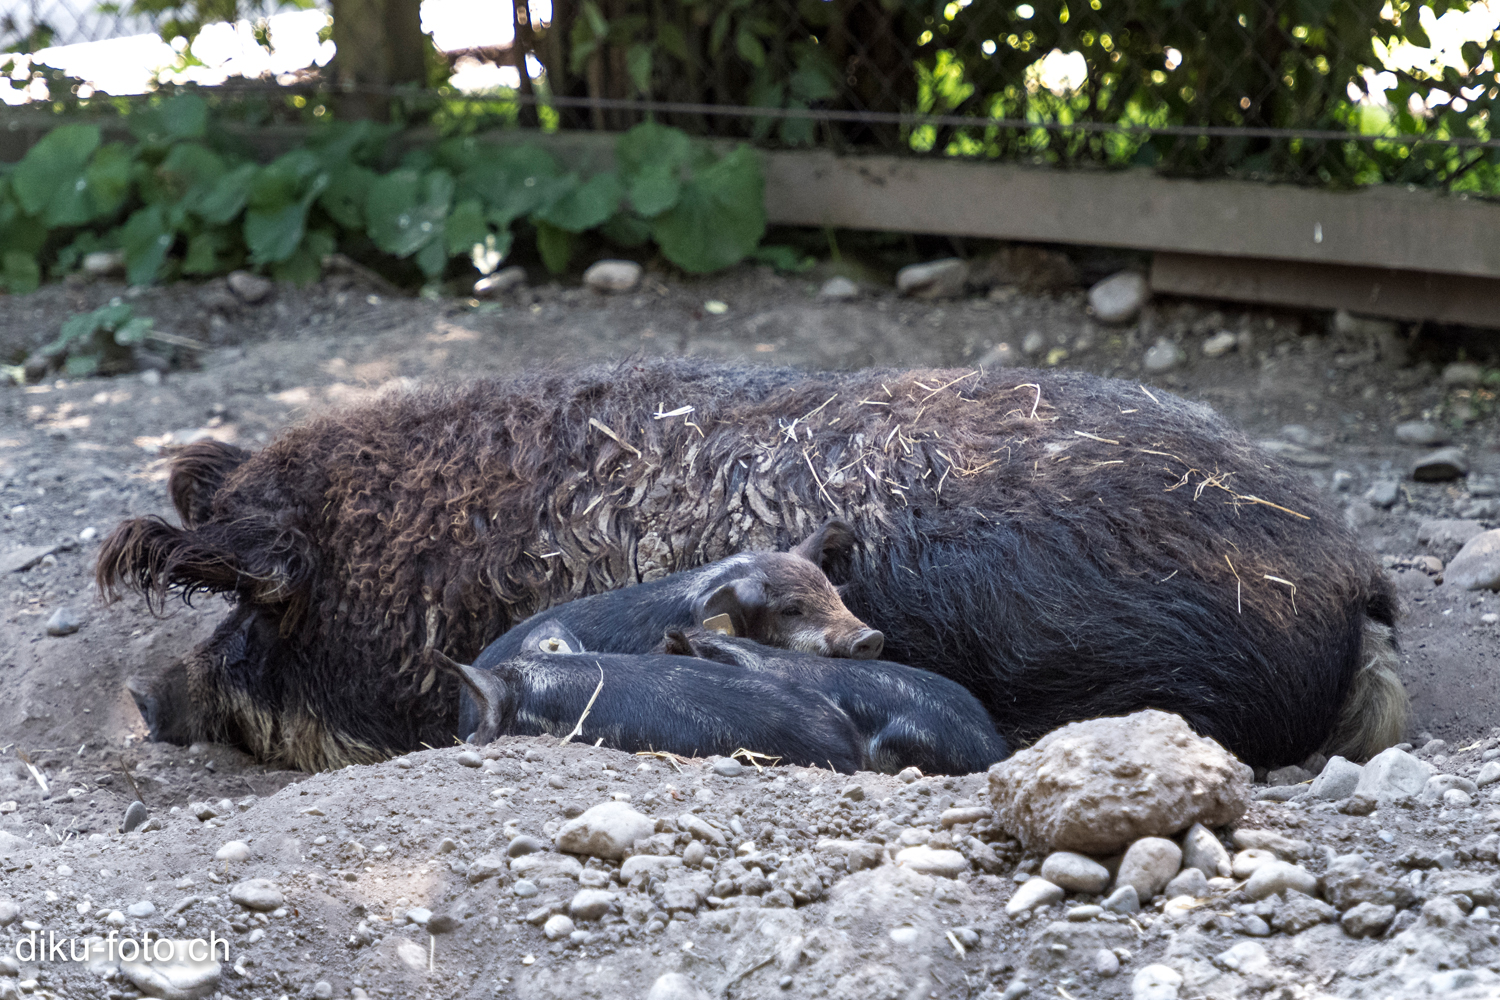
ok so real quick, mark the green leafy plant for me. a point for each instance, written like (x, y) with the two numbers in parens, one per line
(176, 203)
(98, 342)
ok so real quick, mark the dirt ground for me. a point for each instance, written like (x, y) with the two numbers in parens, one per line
(77, 456)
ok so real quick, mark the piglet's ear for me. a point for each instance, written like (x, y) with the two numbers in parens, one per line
(675, 643)
(830, 544)
(735, 601)
(483, 686)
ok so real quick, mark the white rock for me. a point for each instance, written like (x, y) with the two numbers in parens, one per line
(653, 865)
(1033, 893)
(1123, 900)
(1462, 374)
(1188, 882)
(1162, 356)
(1488, 774)
(675, 986)
(141, 910)
(1477, 565)
(257, 894)
(412, 955)
(591, 904)
(251, 288)
(1440, 784)
(1246, 957)
(608, 830)
(1203, 851)
(558, 926)
(612, 275)
(931, 861)
(1278, 876)
(485, 866)
(1119, 298)
(545, 865)
(1250, 860)
(503, 280)
(838, 287)
(1155, 982)
(1149, 865)
(1075, 872)
(700, 829)
(418, 915)
(179, 977)
(1393, 774)
(1106, 963)
(1219, 344)
(937, 279)
(1338, 780)
(1095, 787)
(728, 767)
(233, 851)
(9, 911)
(64, 621)
(102, 263)
(1457, 798)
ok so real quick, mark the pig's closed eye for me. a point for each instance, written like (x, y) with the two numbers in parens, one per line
(791, 610)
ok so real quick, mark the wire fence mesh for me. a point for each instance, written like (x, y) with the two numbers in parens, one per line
(1326, 92)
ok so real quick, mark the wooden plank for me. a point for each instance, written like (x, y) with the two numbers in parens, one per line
(1410, 295)
(1382, 227)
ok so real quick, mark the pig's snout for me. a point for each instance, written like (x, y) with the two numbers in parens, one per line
(867, 645)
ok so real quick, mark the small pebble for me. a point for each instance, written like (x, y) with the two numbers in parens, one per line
(64, 621)
(728, 767)
(144, 908)
(525, 888)
(469, 758)
(234, 851)
(558, 926)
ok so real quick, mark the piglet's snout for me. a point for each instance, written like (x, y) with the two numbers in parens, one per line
(867, 645)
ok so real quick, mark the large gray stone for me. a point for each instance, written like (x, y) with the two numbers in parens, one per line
(1075, 872)
(257, 894)
(1149, 865)
(1120, 297)
(1393, 774)
(1338, 780)
(1422, 433)
(1441, 465)
(177, 978)
(1095, 787)
(1445, 536)
(608, 830)
(1203, 851)
(1033, 893)
(1477, 564)
(936, 279)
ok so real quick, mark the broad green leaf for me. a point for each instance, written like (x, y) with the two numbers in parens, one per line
(146, 240)
(226, 199)
(597, 24)
(81, 365)
(585, 206)
(49, 181)
(720, 217)
(108, 175)
(433, 258)
(718, 33)
(22, 272)
(209, 252)
(651, 144)
(514, 183)
(182, 117)
(274, 235)
(626, 230)
(283, 180)
(344, 199)
(133, 331)
(405, 209)
(638, 65)
(555, 246)
(654, 189)
(673, 40)
(749, 47)
(306, 265)
(190, 165)
(465, 226)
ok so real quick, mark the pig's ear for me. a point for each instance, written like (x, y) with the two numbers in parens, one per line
(675, 643)
(829, 548)
(485, 688)
(737, 600)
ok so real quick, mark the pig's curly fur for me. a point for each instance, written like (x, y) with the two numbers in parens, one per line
(1065, 546)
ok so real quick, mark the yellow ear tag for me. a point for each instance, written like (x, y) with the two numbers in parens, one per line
(719, 623)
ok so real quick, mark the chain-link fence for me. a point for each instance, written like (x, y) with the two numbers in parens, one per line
(1329, 92)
